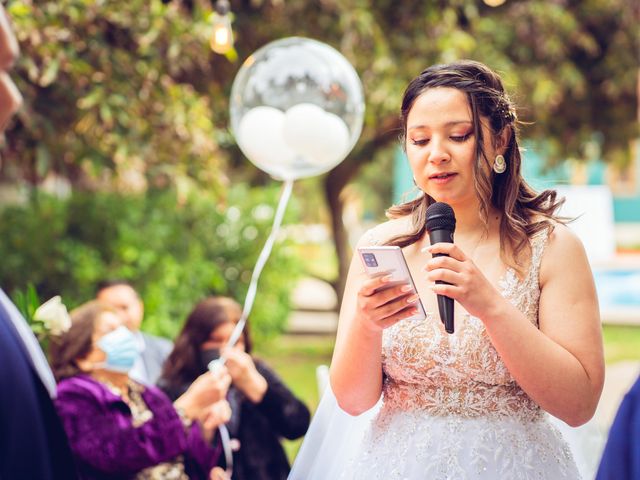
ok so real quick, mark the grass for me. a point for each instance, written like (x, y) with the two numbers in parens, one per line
(621, 342)
(295, 358)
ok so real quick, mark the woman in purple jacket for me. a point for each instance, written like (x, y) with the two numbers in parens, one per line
(120, 429)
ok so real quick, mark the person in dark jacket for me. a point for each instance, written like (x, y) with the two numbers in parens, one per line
(33, 443)
(621, 456)
(263, 408)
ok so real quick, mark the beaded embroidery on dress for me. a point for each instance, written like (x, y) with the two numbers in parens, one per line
(451, 409)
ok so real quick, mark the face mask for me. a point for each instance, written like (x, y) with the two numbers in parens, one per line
(209, 355)
(121, 349)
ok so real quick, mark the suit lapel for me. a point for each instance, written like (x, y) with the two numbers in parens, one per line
(29, 343)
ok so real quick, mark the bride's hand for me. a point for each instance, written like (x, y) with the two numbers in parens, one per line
(380, 306)
(468, 286)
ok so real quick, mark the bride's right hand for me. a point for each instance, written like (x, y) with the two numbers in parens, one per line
(380, 306)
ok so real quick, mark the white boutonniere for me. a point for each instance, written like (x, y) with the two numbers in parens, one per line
(54, 316)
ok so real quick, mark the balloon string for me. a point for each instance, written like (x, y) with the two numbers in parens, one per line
(262, 260)
(226, 447)
(248, 305)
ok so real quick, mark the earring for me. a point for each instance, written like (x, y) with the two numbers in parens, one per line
(499, 164)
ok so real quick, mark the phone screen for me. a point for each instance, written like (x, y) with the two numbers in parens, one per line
(389, 260)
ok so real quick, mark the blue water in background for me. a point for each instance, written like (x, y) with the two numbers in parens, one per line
(618, 288)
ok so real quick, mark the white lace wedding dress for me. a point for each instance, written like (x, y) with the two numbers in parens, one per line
(450, 409)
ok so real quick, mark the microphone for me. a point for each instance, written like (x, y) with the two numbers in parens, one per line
(441, 223)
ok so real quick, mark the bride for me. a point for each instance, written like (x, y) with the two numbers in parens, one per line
(467, 405)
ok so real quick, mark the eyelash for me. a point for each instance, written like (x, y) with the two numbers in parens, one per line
(457, 139)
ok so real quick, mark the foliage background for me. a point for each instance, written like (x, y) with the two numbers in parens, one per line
(174, 253)
(125, 98)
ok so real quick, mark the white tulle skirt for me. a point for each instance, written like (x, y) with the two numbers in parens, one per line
(416, 446)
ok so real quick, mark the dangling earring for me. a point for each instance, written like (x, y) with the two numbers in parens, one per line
(499, 164)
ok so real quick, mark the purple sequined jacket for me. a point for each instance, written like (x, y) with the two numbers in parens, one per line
(105, 443)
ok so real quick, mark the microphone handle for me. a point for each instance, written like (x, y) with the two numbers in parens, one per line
(445, 304)
(445, 307)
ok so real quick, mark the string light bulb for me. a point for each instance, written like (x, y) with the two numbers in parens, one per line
(222, 34)
(494, 3)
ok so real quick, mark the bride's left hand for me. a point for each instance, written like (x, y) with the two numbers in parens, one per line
(468, 286)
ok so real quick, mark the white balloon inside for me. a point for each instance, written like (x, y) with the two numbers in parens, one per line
(320, 136)
(296, 108)
(260, 135)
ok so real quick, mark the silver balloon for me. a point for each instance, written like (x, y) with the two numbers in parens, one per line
(296, 108)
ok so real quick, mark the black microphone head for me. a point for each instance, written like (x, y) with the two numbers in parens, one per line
(440, 216)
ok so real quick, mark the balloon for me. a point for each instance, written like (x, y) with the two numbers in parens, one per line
(260, 138)
(296, 108)
(319, 136)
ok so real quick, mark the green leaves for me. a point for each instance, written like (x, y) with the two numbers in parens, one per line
(175, 250)
(27, 301)
(100, 77)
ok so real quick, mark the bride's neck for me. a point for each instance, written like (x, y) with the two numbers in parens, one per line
(470, 223)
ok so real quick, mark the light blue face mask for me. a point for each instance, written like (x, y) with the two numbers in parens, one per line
(121, 349)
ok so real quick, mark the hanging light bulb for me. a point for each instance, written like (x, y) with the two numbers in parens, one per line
(222, 35)
(494, 3)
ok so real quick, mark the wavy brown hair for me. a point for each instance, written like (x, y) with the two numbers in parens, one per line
(183, 364)
(75, 343)
(507, 192)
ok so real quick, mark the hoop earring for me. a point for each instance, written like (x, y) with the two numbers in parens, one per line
(499, 164)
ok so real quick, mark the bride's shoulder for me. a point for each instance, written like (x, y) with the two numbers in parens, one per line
(383, 232)
(558, 251)
(555, 235)
(563, 245)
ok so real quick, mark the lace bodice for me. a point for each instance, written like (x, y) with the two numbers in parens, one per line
(462, 374)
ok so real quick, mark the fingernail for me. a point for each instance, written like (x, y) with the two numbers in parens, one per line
(425, 249)
(406, 288)
(413, 299)
(386, 278)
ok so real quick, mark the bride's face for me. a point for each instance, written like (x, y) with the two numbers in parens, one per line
(441, 145)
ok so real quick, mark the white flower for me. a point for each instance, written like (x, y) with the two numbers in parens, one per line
(53, 314)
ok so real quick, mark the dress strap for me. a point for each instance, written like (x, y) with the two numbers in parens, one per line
(538, 244)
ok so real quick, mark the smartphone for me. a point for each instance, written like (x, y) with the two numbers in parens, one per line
(389, 260)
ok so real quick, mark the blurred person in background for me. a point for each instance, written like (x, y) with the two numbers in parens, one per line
(621, 457)
(32, 441)
(153, 350)
(119, 428)
(263, 408)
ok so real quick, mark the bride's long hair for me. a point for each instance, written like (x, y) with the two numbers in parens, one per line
(524, 211)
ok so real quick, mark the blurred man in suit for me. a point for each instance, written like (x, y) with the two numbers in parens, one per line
(621, 456)
(154, 350)
(33, 444)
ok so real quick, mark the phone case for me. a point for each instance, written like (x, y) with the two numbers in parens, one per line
(383, 260)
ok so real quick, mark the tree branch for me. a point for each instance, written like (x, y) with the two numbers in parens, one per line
(335, 182)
